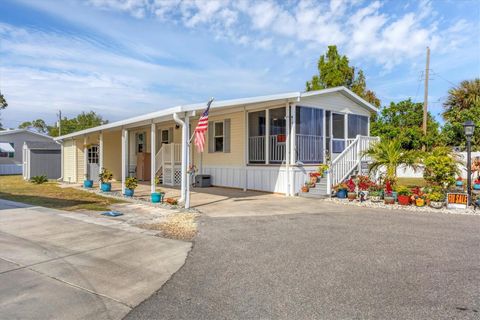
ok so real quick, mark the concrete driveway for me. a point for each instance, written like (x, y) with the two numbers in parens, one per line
(319, 260)
(56, 267)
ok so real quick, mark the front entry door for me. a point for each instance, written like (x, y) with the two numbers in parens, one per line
(92, 162)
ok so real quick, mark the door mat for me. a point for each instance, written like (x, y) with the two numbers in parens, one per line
(112, 213)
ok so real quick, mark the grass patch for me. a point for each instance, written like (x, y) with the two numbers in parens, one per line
(179, 226)
(411, 182)
(50, 195)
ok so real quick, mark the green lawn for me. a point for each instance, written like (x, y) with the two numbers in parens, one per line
(411, 182)
(50, 195)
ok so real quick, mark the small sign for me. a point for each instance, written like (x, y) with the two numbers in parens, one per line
(364, 167)
(457, 200)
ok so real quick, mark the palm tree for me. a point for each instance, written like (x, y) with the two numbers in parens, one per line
(389, 155)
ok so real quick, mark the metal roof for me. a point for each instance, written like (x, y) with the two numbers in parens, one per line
(6, 147)
(12, 131)
(39, 145)
(221, 104)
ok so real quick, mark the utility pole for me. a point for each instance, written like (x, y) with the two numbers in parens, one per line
(425, 97)
(59, 114)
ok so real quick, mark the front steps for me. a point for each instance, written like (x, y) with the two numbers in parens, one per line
(320, 191)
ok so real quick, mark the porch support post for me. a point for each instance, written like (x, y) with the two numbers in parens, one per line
(184, 186)
(267, 136)
(245, 158)
(100, 151)
(124, 158)
(345, 128)
(85, 157)
(293, 157)
(287, 150)
(153, 154)
(324, 134)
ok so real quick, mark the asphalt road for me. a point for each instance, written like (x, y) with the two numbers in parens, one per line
(347, 263)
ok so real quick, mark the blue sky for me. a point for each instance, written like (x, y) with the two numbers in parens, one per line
(126, 57)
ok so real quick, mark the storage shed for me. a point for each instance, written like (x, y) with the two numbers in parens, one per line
(41, 159)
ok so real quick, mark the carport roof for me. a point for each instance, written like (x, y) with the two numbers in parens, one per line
(223, 104)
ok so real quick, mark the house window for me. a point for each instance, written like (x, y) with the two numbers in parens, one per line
(8, 154)
(309, 132)
(218, 137)
(140, 142)
(256, 136)
(357, 125)
(165, 139)
(278, 136)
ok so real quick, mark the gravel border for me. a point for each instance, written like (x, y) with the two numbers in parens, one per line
(412, 208)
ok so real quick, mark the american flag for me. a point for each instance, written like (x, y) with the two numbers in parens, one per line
(201, 128)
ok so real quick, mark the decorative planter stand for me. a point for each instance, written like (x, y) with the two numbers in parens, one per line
(436, 204)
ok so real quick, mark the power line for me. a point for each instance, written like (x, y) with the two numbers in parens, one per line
(437, 74)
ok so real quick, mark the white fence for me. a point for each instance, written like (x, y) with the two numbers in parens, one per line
(6, 169)
(309, 148)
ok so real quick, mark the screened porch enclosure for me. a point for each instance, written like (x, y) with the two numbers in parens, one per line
(319, 134)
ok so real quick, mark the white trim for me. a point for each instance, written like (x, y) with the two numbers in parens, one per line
(287, 148)
(153, 155)
(85, 155)
(100, 152)
(124, 158)
(12, 131)
(164, 115)
(267, 136)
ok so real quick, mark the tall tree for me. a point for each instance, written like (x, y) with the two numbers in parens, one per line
(402, 122)
(82, 121)
(39, 125)
(3, 105)
(462, 104)
(334, 70)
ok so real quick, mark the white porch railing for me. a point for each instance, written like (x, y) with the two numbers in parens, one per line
(309, 148)
(277, 149)
(256, 148)
(167, 163)
(343, 165)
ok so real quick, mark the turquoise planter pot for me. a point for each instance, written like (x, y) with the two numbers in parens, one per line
(157, 197)
(88, 183)
(459, 183)
(476, 186)
(106, 186)
(342, 194)
(129, 192)
(395, 195)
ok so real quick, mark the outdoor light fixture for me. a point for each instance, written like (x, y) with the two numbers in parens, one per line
(469, 128)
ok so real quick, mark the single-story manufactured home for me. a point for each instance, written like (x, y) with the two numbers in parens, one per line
(268, 143)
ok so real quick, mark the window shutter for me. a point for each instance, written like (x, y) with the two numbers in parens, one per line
(211, 143)
(170, 135)
(226, 136)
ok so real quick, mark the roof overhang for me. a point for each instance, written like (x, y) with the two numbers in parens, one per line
(158, 115)
(6, 147)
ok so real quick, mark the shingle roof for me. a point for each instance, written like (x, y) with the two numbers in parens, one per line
(40, 145)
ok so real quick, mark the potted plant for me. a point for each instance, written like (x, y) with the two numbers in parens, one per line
(364, 184)
(404, 195)
(131, 183)
(375, 194)
(305, 187)
(87, 183)
(105, 180)
(459, 182)
(157, 197)
(314, 177)
(352, 194)
(322, 169)
(477, 201)
(476, 184)
(388, 195)
(341, 190)
(437, 199)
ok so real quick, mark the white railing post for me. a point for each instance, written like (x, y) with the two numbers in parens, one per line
(124, 158)
(153, 159)
(267, 136)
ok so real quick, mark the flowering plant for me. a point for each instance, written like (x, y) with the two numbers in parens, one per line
(351, 185)
(477, 181)
(341, 186)
(364, 183)
(459, 178)
(388, 187)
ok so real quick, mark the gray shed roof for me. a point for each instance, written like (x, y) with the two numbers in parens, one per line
(40, 145)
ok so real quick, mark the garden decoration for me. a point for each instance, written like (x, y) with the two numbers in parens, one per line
(305, 187)
(131, 184)
(105, 178)
(404, 195)
(87, 183)
(363, 196)
(459, 182)
(352, 195)
(476, 184)
(314, 177)
(388, 198)
(157, 197)
(322, 169)
(341, 190)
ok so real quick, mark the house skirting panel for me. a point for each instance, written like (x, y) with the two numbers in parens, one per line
(261, 178)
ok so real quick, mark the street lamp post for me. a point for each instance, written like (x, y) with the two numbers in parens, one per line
(469, 128)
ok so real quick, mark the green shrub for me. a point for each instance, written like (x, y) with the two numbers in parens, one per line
(436, 196)
(39, 179)
(404, 191)
(441, 167)
(131, 183)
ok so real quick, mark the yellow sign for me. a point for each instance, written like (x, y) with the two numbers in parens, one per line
(457, 200)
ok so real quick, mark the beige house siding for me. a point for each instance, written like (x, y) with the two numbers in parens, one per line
(69, 165)
(80, 161)
(237, 143)
(112, 153)
(335, 102)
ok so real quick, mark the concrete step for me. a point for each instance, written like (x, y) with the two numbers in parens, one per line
(318, 191)
(313, 195)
